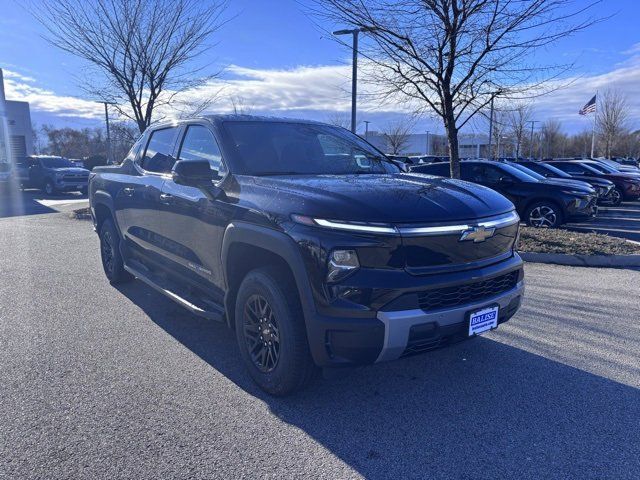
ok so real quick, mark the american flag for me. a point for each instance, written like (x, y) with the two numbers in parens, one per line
(590, 107)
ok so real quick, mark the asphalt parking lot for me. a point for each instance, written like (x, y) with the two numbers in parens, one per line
(622, 221)
(99, 382)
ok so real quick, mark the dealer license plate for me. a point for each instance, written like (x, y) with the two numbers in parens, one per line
(481, 321)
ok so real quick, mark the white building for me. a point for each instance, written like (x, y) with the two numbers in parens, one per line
(16, 136)
(470, 145)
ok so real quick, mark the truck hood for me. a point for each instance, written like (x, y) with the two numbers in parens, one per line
(386, 198)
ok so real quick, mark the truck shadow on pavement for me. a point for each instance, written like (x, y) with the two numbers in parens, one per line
(480, 409)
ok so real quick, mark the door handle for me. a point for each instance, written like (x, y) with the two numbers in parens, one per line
(128, 191)
(165, 197)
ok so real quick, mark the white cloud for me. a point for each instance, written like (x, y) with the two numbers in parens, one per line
(24, 88)
(317, 90)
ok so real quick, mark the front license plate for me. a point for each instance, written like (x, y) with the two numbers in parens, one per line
(481, 321)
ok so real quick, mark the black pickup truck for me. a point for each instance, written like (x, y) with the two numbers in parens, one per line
(307, 241)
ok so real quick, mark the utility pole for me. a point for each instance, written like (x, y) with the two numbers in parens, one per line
(106, 117)
(428, 146)
(533, 122)
(354, 75)
(366, 129)
(491, 130)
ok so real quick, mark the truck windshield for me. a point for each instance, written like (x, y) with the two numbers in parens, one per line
(289, 148)
(56, 162)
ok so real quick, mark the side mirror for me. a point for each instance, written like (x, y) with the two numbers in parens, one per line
(196, 173)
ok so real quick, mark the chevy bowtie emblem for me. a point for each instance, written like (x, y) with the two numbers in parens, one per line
(477, 234)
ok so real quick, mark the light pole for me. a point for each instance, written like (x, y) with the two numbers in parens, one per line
(106, 118)
(491, 129)
(366, 129)
(354, 75)
(533, 122)
(428, 146)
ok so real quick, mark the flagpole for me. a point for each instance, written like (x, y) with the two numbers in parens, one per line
(593, 130)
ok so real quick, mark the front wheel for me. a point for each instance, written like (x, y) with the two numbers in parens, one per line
(543, 215)
(112, 261)
(271, 333)
(49, 188)
(616, 197)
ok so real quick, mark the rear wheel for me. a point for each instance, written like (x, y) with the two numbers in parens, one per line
(271, 333)
(543, 215)
(112, 261)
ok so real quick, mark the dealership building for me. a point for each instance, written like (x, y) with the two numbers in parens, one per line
(16, 136)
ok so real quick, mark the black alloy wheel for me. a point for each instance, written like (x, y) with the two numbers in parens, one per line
(261, 333)
(107, 250)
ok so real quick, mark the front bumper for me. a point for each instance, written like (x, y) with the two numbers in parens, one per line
(71, 186)
(413, 331)
(428, 315)
(582, 207)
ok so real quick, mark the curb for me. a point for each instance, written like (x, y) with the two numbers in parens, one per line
(612, 261)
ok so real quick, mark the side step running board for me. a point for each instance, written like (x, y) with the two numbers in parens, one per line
(217, 315)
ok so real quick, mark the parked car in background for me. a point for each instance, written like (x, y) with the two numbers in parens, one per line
(539, 203)
(609, 166)
(627, 187)
(420, 159)
(603, 187)
(52, 174)
(630, 162)
(307, 241)
(7, 179)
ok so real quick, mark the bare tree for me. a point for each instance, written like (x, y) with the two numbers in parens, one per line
(239, 105)
(518, 119)
(143, 50)
(339, 119)
(611, 118)
(453, 56)
(552, 138)
(396, 134)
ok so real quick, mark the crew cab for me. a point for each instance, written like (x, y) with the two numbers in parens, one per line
(627, 186)
(52, 174)
(541, 203)
(307, 241)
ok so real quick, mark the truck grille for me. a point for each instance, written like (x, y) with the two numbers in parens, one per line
(75, 177)
(469, 293)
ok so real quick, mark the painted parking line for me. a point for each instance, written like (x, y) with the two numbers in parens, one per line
(68, 201)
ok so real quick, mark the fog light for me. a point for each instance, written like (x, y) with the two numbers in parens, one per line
(341, 264)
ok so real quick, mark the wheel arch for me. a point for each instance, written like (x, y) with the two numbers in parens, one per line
(247, 246)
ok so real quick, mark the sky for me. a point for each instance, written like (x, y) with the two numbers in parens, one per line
(276, 60)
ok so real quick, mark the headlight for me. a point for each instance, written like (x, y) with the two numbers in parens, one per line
(341, 264)
(576, 192)
(59, 174)
(347, 226)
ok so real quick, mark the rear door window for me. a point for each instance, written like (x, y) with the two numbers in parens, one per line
(157, 156)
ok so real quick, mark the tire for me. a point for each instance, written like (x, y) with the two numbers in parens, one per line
(543, 215)
(112, 261)
(616, 197)
(49, 188)
(268, 311)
